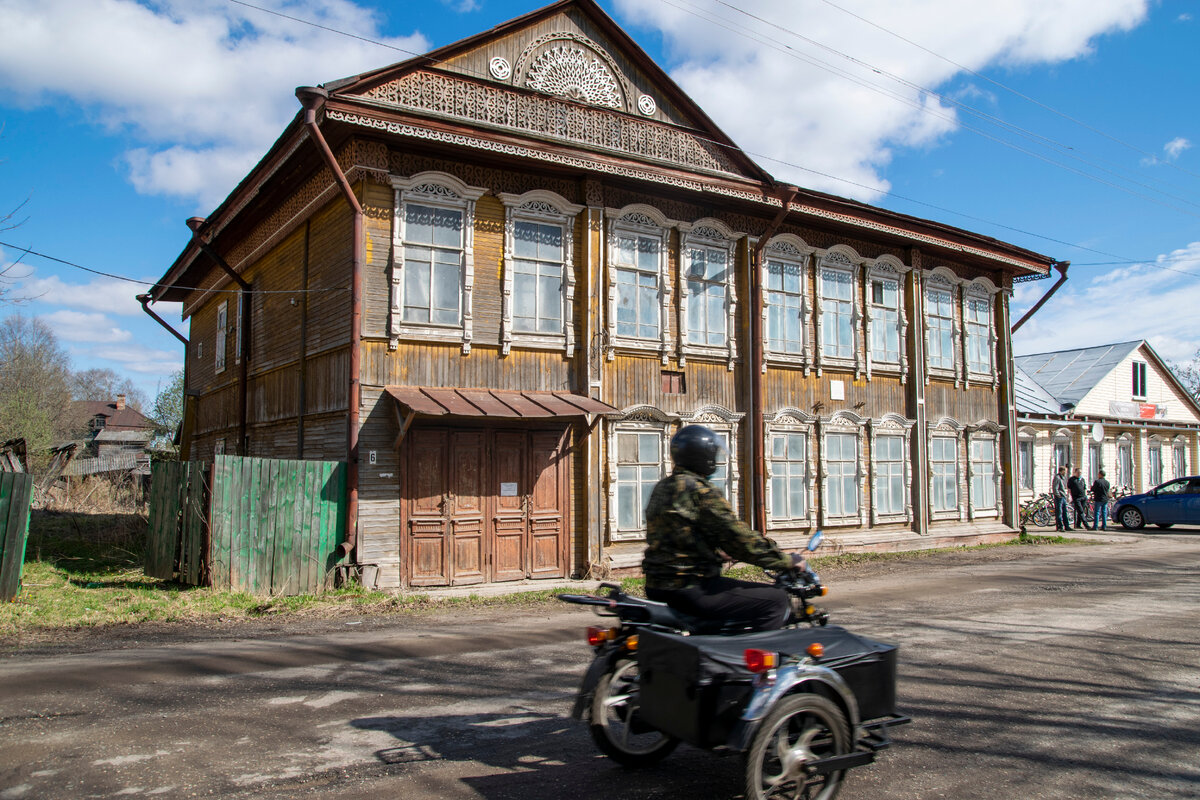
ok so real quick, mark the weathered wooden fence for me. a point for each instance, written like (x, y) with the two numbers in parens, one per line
(16, 497)
(264, 526)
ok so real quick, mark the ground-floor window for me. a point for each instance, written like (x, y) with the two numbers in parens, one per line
(943, 464)
(789, 476)
(889, 475)
(639, 467)
(841, 482)
(1154, 463)
(983, 473)
(1179, 455)
(1025, 463)
(1125, 464)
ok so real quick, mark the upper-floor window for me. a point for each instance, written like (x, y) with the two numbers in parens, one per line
(837, 312)
(978, 314)
(222, 326)
(785, 304)
(1139, 378)
(885, 319)
(939, 317)
(707, 296)
(635, 262)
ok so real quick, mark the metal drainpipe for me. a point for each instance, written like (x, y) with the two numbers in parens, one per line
(244, 323)
(313, 98)
(1061, 266)
(758, 453)
(145, 300)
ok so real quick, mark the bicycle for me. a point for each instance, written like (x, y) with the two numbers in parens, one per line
(1038, 510)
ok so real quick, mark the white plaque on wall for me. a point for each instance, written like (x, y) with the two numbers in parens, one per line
(837, 390)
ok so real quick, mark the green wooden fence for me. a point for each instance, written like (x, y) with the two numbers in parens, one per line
(264, 526)
(16, 498)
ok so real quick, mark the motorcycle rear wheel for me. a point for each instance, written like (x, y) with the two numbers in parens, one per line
(802, 728)
(615, 725)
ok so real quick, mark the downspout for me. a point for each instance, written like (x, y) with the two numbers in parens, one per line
(1061, 266)
(145, 300)
(758, 453)
(244, 372)
(313, 99)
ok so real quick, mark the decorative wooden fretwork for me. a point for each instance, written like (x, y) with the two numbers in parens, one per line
(572, 72)
(597, 127)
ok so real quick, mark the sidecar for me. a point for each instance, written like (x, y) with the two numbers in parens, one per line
(803, 704)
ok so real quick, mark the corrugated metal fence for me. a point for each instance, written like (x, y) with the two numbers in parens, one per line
(16, 497)
(264, 526)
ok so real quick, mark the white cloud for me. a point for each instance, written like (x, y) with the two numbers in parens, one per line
(782, 107)
(101, 294)
(1175, 147)
(140, 359)
(76, 326)
(195, 81)
(1143, 301)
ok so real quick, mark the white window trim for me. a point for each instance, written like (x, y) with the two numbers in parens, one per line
(851, 423)
(1030, 435)
(636, 419)
(721, 420)
(1126, 440)
(789, 248)
(792, 420)
(439, 190)
(889, 268)
(839, 257)
(639, 220)
(220, 346)
(1145, 374)
(986, 431)
(892, 425)
(980, 289)
(547, 208)
(949, 428)
(1155, 443)
(714, 234)
(943, 279)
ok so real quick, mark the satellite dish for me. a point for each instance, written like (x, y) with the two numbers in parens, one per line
(1097, 432)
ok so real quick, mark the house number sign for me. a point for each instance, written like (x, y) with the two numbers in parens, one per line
(508, 489)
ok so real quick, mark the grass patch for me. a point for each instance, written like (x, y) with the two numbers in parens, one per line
(85, 571)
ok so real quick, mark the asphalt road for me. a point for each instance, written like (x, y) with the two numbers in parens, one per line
(1069, 672)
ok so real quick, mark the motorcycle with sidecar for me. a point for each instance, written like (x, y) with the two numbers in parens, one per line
(802, 704)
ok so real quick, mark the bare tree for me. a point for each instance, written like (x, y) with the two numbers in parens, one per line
(105, 384)
(1189, 375)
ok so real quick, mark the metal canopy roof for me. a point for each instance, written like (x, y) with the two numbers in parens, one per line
(1068, 375)
(1031, 398)
(494, 403)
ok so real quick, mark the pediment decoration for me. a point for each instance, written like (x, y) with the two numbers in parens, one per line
(791, 418)
(786, 249)
(835, 259)
(643, 413)
(716, 415)
(638, 218)
(708, 232)
(435, 189)
(891, 422)
(573, 73)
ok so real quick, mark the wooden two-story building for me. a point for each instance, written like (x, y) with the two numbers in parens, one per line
(496, 278)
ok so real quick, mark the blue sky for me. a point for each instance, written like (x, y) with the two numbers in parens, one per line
(1065, 126)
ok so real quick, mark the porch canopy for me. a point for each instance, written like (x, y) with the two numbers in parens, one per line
(492, 403)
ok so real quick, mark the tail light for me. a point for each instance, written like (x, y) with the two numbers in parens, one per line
(760, 660)
(598, 636)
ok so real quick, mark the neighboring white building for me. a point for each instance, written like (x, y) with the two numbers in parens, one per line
(1116, 407)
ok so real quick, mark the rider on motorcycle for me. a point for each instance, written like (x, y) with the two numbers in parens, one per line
(689, 524)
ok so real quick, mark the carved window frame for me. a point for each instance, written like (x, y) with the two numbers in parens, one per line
(1126, 451)
(988, 432)
(980, 289)
(785, 421)
(220, 346)
(1179, 468)
(892, 425)
(948, 428)
(541, 207)
(721, 420)
(886, 267)
(842, 422)
(715, 235)
(635, 419)
(788, 249)
(437, 190)
(1027, 436)
(639, 220)
(1155, 442)
(941, 279)
(844, 259)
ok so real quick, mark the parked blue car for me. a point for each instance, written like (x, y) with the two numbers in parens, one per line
(1175, 502)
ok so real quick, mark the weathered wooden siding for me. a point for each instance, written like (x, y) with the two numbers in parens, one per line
(379, 490)
(436, 364)
(967, 406)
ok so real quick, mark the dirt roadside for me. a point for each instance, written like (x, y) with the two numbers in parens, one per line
(338, 619)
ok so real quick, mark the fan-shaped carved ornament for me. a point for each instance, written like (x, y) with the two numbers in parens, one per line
(572, 72)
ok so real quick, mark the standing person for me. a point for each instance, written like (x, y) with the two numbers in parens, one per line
(1101, 492)
(1058, 490)
(1078, 491)
(689, 524)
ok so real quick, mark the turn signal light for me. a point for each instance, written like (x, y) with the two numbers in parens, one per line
(824, 591)
(598, 636)
(816, 650)
(631, 643)
(760, 660)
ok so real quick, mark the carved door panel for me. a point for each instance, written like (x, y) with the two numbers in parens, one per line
(509, 485)
(547, 504)
(425, 498)
(465, 508)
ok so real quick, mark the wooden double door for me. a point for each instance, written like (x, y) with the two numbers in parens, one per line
(484, 504)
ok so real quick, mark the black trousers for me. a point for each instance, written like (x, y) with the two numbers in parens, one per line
(758, 605)
(1080, 504)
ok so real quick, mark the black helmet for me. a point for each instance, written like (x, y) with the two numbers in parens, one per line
(695, 448)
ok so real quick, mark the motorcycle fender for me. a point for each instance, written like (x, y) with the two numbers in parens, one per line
(602, 663)
(770, 688)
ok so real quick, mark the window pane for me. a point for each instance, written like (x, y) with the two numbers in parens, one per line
(648, 448)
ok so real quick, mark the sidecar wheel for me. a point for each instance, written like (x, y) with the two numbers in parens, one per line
(616, 727)
(801, 729)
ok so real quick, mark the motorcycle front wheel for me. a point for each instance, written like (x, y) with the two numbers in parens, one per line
(616, 727)
(801, 729)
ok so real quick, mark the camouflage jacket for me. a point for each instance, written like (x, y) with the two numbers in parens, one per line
(688, 521)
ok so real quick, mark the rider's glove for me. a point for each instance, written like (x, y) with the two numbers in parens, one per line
(799, 565)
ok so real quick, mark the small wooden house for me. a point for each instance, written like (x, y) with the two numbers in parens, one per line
(1113, 407)
(496, 278)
